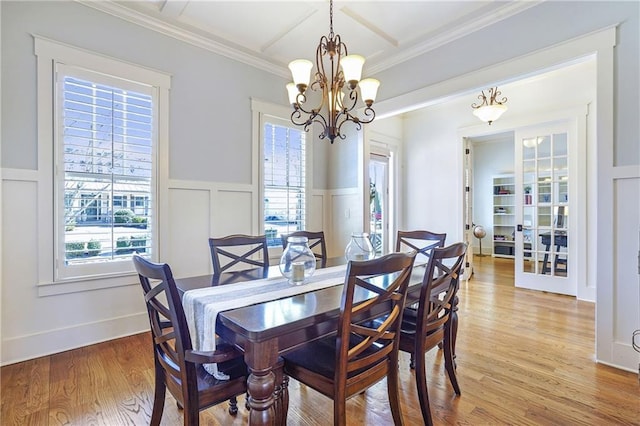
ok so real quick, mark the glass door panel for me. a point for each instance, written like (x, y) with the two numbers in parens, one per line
(542, 246)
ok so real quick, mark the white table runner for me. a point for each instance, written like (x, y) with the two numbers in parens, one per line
(201, 306)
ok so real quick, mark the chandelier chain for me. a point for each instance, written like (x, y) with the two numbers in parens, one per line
(331, 19)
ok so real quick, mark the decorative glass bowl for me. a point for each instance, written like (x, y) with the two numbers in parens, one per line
(360, 247)
(298, 262)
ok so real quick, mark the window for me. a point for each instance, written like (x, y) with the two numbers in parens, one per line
(106, 135)
(107, 119)
(284, 149)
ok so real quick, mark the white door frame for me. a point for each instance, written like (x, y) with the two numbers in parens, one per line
(577, 114)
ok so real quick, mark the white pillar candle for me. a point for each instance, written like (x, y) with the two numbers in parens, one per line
(298, 272)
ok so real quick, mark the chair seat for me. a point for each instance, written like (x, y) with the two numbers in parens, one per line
(320, 356)
(235, 369)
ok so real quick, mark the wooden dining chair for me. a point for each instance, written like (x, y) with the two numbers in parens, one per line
(237, 252)
(421, 241)
(363, 352)
(432, 326)
(317, 243)
(178, 367)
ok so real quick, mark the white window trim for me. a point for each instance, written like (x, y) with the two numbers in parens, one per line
(48, 52)
(260, 110)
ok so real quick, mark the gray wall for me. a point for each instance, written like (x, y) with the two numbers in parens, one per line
(210, 111)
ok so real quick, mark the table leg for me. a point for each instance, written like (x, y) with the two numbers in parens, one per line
(281, 396)
(262, 358)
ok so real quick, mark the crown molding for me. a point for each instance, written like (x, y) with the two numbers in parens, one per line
(139, 18)
(490, 18)
(240, 54)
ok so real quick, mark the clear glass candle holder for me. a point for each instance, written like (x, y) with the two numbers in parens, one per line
(298, 262)
(359, 247)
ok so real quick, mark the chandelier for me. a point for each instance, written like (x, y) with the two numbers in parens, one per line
(490, 109)
(335, 107)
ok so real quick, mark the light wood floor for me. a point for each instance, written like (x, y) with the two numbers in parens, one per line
(524, 358)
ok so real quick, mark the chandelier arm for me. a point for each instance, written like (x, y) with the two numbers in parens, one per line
(370, 115)
(323, 49)
(494, 93)
(314, 118)
(320, 79)
(484, 102)
(319, 118)
(501, 101)
(336, 80)
(301, 99)
(297, 119)
(344, 118)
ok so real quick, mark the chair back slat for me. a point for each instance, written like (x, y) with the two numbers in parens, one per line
(439, 287)
(238, 252)
(316, 242)
(363, 341)
(421, 241)
(166, 317)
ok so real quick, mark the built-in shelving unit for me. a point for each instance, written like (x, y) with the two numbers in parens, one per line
(504, 204)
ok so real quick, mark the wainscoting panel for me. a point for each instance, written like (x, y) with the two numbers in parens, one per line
(233, 213)
(315, 214)
(189, 216)
(346, 218)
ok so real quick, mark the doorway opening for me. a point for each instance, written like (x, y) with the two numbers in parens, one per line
(379, 201)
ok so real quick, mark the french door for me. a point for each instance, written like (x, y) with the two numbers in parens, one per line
(546, 255)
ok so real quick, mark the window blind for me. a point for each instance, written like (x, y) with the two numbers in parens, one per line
(284, 181)
(108, 168)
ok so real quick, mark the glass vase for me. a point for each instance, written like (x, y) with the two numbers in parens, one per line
(359, 247)
(298, 262)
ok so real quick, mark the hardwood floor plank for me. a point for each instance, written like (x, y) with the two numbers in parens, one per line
(524, 358)
(25, 392)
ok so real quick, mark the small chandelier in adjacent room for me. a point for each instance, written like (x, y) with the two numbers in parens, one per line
(491, 108)
(335, 107)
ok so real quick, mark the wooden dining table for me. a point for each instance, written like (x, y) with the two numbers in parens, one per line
(266, 330)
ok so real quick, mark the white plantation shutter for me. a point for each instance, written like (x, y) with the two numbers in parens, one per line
(106, 135)
(284, 179)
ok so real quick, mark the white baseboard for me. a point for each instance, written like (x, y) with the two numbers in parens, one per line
(22, 348)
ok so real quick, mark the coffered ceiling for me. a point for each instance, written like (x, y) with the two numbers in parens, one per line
(269, 34)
